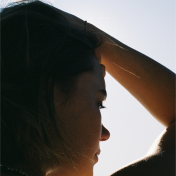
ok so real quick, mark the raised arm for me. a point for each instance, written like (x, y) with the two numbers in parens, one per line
(152, 84)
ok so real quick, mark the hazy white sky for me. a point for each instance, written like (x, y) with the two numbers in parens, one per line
(149, 27)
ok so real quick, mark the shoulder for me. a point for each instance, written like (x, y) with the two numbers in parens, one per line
(155, 165)
(159, 161)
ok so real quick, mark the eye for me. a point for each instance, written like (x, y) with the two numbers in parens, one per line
(101, 106)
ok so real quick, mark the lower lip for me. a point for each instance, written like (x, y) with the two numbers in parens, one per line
(96, 158)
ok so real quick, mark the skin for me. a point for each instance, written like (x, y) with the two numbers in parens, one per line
(79, 121)
(159, 161)
(153, 85)
(149, 82)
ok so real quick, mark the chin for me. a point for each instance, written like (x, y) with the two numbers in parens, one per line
(95, 159)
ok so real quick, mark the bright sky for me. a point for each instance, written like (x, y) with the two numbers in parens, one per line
(149, 27)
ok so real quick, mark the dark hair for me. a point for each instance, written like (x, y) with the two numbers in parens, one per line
(40, 48)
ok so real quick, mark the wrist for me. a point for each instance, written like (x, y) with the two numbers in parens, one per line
(106, 38)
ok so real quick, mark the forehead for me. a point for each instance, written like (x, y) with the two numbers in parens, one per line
(97, 55)
(87, 83)
(92, 80)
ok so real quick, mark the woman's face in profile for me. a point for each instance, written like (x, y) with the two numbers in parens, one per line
(81, 119)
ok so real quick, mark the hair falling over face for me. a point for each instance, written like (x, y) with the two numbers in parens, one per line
(40, 49)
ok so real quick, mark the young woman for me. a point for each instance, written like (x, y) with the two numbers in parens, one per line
(53, 67)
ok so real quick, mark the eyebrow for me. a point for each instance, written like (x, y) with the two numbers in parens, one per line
(104, 92)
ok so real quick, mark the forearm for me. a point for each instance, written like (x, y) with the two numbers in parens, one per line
(152, 84)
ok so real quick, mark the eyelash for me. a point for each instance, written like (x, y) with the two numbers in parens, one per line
(101, 106)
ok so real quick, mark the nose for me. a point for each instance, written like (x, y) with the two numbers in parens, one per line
(105, 134)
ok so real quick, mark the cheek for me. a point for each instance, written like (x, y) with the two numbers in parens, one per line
(82, 126)
(92, 125)
(87, 126)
